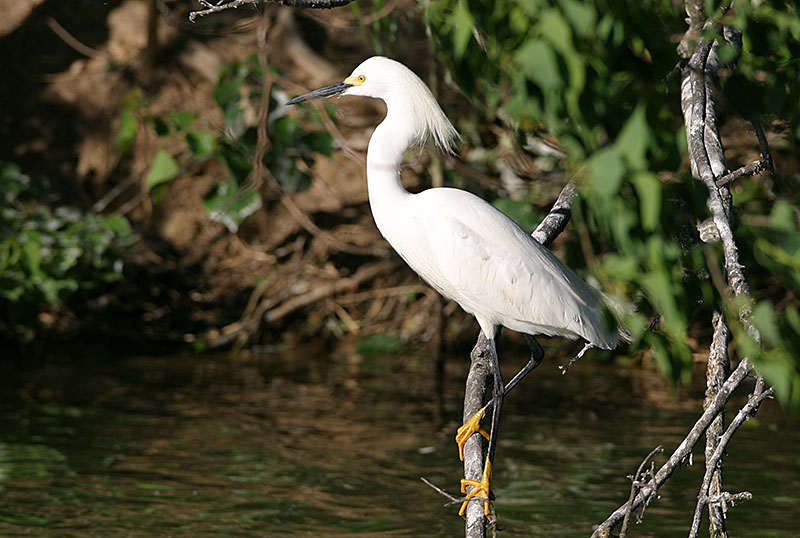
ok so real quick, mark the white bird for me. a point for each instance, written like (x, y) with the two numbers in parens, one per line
(464, 247)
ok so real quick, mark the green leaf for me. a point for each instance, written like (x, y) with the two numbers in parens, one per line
(229, 204)
(182, 119)
(118, 224)
(782, 217)
(159, 125)
(163, 170)
(286, 172)
(581, 16)
(607, 171)
(227, 94)
(202, 144)
(520, 211)
(321, 142)
(764, 318)
(557, 31)
(463, 24)
(537, 62)
(648, 187)
(128, 125)
(238, 165)
(633, 139)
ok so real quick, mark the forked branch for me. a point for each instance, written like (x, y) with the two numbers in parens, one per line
(709, 166)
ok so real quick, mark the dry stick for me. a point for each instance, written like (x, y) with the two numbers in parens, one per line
(696, 112)
(748, 410)
(748, 170)
(716, 371)
(764, 164)
(718, 363)
(763, 147)
(327, 289)
(681, 453)
(479, 372)
(274, 308)
(637, 480)
(218, 7)
(694, 98)
(70, 40)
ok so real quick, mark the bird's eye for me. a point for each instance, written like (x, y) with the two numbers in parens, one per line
(361, 78)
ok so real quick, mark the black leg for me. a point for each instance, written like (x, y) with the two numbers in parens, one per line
(482, 488)
(537, 354)
(498, 393)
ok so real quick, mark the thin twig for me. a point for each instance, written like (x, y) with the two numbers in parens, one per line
(327, 289)
(637, 480)
(751, 169)
(682, 451)
(70, 40)
(763, 147)
(451, 500)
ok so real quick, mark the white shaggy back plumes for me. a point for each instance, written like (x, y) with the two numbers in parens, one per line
(404, 92)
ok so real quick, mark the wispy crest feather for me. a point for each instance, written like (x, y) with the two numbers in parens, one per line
(426, 111)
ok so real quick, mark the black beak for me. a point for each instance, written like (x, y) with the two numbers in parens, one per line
(326, 91)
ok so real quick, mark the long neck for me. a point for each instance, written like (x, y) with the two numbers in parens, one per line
(384, 157)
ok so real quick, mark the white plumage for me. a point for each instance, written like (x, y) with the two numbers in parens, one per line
(463, 246)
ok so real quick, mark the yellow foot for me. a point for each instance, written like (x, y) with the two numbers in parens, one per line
(481, 489)
(473, 425)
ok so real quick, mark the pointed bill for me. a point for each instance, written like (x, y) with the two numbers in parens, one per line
(326, 91)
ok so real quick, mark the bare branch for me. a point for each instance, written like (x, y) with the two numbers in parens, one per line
(222, 5)
(637, 481)
(751, 169)
(748, 410)
(766, 155)
(716, 371)
(694, 98)
(707, 164)
(683, 450)
(70, 40)
(477, 380)
(443, 493)
(558, 217)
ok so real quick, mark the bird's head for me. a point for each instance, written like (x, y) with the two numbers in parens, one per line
(403, 92)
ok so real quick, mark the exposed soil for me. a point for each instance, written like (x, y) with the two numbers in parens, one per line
(310, 263)
(305, 264)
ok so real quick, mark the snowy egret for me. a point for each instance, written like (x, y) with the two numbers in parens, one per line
(464, 247)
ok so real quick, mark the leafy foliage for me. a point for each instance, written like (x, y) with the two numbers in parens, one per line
(602, 78)
(48, 256)
(238, 94)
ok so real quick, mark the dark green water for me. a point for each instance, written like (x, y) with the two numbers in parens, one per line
(304, 445)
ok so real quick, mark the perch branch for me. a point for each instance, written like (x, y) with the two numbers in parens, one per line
(478, 377)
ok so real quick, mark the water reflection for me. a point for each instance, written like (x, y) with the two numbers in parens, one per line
(308, 445)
